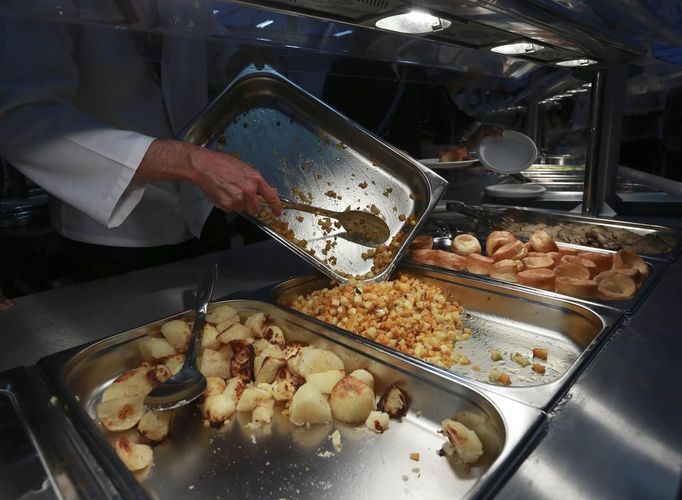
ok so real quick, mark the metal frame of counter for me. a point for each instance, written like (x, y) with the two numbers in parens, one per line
(615, 434)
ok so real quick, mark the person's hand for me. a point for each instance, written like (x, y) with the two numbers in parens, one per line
(228, 182)
(5, 303)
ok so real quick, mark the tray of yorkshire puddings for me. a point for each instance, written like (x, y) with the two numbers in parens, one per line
(616, 278)
(293, 408)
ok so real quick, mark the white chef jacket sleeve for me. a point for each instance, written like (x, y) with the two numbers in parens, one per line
(76, 158)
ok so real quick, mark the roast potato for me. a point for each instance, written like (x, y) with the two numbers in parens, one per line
(135, 382)
(235, 332)
(214, 386)
(215, 363)
(120, 414)
(228, 323)
(285, 384)
(221, 313)
(266, 369)
(256, 324)
(175, 362)
(274, 335)
(394, 401)
(325, 381)
(241, 364)
(177, 333)
(209, 338)
(311, 360)
(159, 373)
(262, 413)
(377, 421)
(351, 400)
(154, 348)
(364, 376)
(154, 425)
(218, 408)
(252, 397)
(465, 441)
(234, 388)
(135, 456)
(309, 406)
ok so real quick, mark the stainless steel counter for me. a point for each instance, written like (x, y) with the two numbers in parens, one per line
(52, 321)
(616, 434)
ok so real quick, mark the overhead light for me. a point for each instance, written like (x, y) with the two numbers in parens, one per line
(343, 33)
(512, 49)
(577, 91)
(586, 85)
(265, 24)
(576, 63)
(415, 21)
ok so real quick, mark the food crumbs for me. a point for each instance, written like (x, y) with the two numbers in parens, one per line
(540, 353)
(253, 438)
(336, 440)
(191, 486)
(414, 456)
(405, 478)
(538, 368)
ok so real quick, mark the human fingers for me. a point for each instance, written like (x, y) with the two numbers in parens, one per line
(251, 203)
(5, 304)
(269, 193)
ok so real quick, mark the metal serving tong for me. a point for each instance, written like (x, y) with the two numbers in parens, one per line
(492, 217)
(188, 384)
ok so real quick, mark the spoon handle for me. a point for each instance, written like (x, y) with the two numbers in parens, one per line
(292, 205)
(204, 294)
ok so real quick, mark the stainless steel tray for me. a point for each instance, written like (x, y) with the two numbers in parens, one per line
(282, 461)
(312, 153)
(537, 216)
(656, 270)
(507, 319)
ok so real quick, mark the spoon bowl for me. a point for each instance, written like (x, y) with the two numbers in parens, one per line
(361, 227)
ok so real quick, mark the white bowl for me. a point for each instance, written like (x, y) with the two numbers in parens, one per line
(507, 154)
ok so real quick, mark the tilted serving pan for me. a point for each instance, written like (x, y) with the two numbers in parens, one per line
(313, 154)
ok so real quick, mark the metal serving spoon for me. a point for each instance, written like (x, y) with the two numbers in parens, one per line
(361, 227)
(188, 384)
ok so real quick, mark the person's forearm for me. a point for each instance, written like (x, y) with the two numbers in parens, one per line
(167, 160)
(228, 182)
